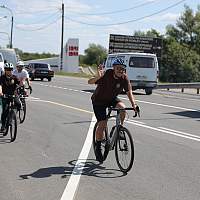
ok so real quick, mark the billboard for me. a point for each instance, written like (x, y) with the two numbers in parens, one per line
(126, 43)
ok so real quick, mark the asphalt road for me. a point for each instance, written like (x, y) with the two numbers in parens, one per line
(45, 161)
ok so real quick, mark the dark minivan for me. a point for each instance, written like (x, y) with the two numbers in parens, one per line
(40, 70)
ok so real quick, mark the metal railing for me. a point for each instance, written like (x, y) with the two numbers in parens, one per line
(182, 86)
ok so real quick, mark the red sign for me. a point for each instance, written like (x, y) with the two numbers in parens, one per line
(73, 50)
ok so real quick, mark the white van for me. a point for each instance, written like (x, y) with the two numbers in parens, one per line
(142, 69)
(9, 55)
(1, 64)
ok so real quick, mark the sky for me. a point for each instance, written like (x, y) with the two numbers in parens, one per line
(37, 23)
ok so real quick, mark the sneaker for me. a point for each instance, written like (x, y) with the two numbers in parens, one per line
(98, 153)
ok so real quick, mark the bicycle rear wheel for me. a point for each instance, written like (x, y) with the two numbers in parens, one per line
(22, 111)
(12, 125)
(124, 150)
(104, 143)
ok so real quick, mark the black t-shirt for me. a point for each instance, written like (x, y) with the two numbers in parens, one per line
(8, 84)
(108, 88)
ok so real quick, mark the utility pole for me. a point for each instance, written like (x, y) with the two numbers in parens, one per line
(11, 34)
(62, 33)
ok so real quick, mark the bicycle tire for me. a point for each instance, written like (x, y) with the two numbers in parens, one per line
(22, 112)
(12, 126)
(104, 144)
(124, 145)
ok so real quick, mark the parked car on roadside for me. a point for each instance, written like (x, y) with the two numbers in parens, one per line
(40, 70)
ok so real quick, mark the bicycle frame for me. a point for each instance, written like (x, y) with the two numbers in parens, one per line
(11, 105)
(114, 136)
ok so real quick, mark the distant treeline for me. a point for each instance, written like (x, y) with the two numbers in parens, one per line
(32, 56)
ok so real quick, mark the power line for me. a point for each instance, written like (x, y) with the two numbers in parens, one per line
(41, 28)
(44, 19)
(22, 12)
(129, 21)
(117, 11)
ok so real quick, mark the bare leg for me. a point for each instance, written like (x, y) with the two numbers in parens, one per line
(123, 113)
(100, 130)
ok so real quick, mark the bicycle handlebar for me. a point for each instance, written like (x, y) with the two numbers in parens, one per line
(137, 111)
(22, 87)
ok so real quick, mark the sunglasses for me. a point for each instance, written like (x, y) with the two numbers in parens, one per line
(118, 68)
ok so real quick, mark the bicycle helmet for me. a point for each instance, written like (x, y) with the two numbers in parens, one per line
(119, 61)
(20, 64)
(8, 66)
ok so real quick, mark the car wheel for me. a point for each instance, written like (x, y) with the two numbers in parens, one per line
(148, 91)
(49, 79)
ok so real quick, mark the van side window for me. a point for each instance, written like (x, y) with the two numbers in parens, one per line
(142, 62)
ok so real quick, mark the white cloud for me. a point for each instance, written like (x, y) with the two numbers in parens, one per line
(165, 18)
(169, 17)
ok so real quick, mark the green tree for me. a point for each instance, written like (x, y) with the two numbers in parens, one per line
(149, 33)
(181, 49)
(94, 54)
(179, 64)
(187, 30)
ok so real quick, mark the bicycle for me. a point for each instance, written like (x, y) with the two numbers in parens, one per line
(11, 119)
(119, 138)
(21, 91)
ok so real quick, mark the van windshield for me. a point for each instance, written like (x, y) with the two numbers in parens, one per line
(142, 62)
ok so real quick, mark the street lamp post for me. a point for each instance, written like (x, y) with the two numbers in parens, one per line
(11, 30)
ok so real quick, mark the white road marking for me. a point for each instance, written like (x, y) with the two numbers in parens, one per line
(146, 102)
(67, 106)
(164, 105)
(72, 185)
(131, 120)
(170, 132)
(137, 123)
(182, 133)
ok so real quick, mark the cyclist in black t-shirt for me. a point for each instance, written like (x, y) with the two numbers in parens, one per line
(8, 85)
(109, 85)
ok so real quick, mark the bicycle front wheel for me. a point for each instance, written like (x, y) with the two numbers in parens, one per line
(124, 150)
(22, 111)
(12, 125)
